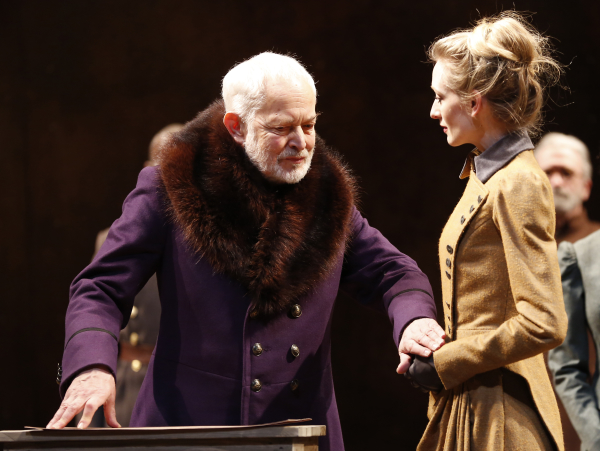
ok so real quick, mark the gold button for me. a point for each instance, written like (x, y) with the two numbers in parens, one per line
(294, 385)
(136, 365)
(134, 312)
(257, 349)
(134, 339)
(295, 350)
(296, 311)
(256, 385)
(253, 313)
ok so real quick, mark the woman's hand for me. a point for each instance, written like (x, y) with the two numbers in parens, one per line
(423, 375)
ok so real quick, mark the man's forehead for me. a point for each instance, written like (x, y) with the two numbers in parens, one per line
(557, 157)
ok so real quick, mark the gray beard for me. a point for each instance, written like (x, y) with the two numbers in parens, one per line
(565, 201)
(269, 165)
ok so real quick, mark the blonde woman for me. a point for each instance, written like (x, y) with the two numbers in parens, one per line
(500, 278)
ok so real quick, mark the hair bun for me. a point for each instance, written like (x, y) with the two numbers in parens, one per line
(504, 59)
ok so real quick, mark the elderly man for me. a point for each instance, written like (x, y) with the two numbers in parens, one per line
(566, 160)
(250, 249)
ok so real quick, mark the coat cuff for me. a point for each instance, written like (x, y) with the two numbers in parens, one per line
(408, 306)
(86, 350)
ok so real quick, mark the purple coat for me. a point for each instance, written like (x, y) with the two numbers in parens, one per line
(206, 368)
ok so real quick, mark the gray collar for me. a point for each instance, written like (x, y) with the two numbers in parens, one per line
(497, 156)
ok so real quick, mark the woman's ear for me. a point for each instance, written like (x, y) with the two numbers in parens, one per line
(476, 103)
(233, 124)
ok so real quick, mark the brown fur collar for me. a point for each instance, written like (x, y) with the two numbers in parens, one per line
(278, 241)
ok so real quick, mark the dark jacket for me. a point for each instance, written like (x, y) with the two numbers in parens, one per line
(245, 271)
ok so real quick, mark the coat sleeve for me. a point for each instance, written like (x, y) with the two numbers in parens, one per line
(376, 273)
(569, 362)
(523, 213)
(101, 296)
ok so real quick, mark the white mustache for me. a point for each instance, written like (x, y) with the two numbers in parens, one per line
(292, 153)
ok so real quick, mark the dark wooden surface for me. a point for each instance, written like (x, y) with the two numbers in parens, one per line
(85, 85)
(272, 438)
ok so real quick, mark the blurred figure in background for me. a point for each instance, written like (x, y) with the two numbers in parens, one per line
(573, 363)
(566, 160)
(137, 340)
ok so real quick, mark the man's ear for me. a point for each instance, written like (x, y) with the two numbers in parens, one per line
(587, 190)
(234, 126)
(476, 103)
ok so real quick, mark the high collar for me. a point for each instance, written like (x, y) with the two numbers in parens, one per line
(486, 164)
(278, 241)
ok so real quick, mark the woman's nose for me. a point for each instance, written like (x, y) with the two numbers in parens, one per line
(435, 111)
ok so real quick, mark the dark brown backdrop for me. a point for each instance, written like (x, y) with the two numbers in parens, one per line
(85, 84)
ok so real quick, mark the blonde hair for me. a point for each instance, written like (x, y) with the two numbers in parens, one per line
(504, 59)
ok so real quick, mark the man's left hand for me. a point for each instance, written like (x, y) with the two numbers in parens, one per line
(421, 337)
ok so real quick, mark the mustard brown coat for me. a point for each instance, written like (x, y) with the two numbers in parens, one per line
(503, 308)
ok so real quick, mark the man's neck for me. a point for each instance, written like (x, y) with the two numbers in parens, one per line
(574, 225)
(571, 218)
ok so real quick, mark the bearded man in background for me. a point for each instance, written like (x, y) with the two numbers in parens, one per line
(566, 161)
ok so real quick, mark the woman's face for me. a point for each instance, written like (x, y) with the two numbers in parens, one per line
(454, 115)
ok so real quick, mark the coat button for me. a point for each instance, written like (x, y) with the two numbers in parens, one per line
(449, 249)
(134, 339)
(449, 320)
(257, 349)
(256, 385)
(448, 263)
(462, 219)
(448, 305)
(294, 385)
(448, 275)
(296, 311)
(136, 366)
(479, 199)
(471, 209)
(295, 350)
(59, 374)
(134, 312)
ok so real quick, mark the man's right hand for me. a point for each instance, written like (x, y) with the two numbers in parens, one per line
(88, 391)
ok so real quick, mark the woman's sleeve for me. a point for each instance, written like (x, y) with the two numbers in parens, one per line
(101, 296)
(523, 212)
(569, 362)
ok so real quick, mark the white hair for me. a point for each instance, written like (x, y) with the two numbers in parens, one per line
(244, 85)
(554, 140)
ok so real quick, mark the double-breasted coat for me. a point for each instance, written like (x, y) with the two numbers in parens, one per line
(503, 308)
(248, 274)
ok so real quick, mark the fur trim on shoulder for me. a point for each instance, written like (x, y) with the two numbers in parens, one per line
(278, 241)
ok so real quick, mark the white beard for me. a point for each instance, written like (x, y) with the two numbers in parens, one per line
(565, 201)
(268, 164)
